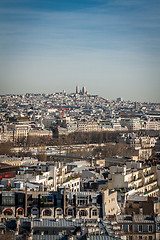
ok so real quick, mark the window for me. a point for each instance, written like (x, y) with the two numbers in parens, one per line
(47, 212)
(70, 212)
(121, 226)
(150, 238)
(94, 212)
(140, 228)
(20, 211)
(140, 237)
(45, 232)
(70, 201)
(83, 213)
(8, 212)
(150, 229)
(59, 202)
(34, 211)
(46, 199)
(82, 201)
(36, 232)
(130, 228)
(59, 211)
(8, 200)
(20, 200)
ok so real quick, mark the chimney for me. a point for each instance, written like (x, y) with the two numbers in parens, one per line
(141, 211)
(64, 195)
(25, 210)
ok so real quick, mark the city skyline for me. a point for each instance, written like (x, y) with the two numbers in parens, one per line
(110, 47)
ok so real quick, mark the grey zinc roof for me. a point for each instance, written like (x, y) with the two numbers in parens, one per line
(124, 218)
(49, 237)
(57, 237)
(137, 198)
(102, 237)
(53, 223)
(136, 218)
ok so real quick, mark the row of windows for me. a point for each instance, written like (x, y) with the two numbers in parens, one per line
(85, 212)
(75, 190)
(54, 232)
(82, 202)
(75, 184)
(48, 212)
(59, 212)
(140, 228)
(110, 211)
(141, 238)
(9, 212)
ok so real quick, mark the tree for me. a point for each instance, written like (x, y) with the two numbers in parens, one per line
(5, 148)
(111, 150)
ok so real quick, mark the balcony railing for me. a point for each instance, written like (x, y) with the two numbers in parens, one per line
(151, 190)
(46, 204)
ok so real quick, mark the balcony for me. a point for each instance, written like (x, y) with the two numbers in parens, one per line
(46, 204)
(155, 189)
(148, 175)
(147, 184)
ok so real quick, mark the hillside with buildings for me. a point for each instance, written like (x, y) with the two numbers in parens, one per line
(78, 166)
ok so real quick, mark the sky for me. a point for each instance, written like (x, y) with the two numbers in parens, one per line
(112, 47)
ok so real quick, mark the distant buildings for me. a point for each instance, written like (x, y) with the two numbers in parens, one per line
(35, 114)
(68, 197)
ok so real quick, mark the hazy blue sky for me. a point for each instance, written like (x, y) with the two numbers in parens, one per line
(110, 46)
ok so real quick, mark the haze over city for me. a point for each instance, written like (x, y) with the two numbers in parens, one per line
(112, 47)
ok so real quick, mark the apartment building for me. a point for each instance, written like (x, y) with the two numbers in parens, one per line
(58, 204)
(134, 124)
(87, 126)
(137, 226)
(152, 125)
(110, 202)
(12, 204)
(144, 153)
(134, 176)
(72, 184)
(21, 130)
